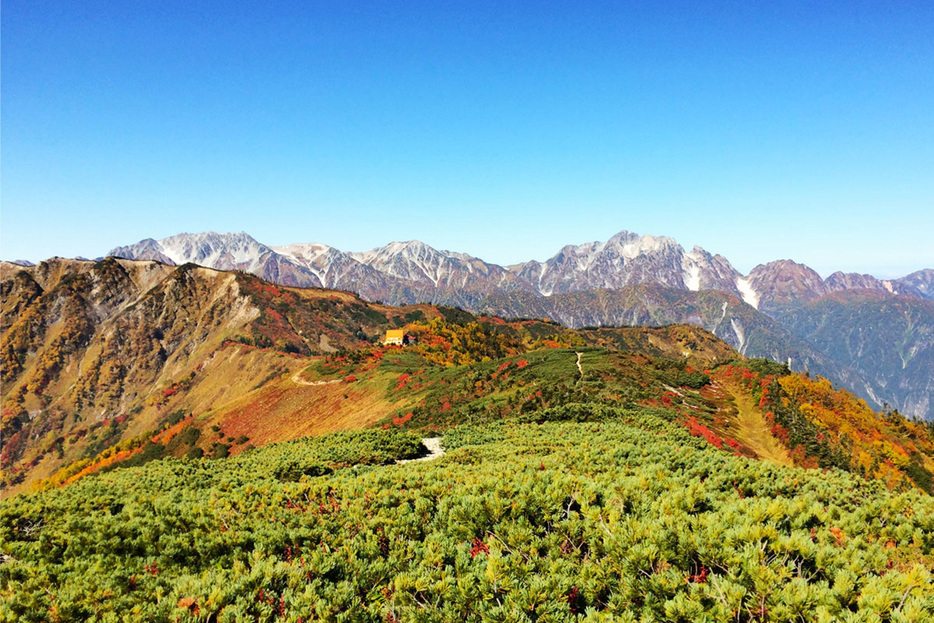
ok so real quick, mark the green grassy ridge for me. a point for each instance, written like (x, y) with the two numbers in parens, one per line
(511, 386)
(549, 377)
(617, 518)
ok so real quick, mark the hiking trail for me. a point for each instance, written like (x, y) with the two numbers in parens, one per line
(435, 449)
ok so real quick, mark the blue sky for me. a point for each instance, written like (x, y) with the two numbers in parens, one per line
(757, 130)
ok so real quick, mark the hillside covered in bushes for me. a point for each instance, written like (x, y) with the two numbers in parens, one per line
(579, 512)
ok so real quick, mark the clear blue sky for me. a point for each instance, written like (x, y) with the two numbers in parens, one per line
(758, 130)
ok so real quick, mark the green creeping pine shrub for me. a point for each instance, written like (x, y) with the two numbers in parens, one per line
(625, 519)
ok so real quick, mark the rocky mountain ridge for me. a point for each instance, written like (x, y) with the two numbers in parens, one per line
(99, 355)
(402, 273)
(587, 284)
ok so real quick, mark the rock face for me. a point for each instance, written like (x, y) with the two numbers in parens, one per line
(785, 282)
(591, 284)
(628, 259)
(402, 273)
(921, 282)
(83, 342)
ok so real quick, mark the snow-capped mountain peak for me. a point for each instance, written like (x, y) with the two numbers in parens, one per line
(627, 258)
(412, 271)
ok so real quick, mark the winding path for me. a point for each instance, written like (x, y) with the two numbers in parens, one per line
(298, 380)
(579, 368)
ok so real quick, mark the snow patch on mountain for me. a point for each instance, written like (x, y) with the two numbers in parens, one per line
(304, 251)
(747, 291)
(313, 256)
(740, 335)
(408, 260)
(646, 245)
(691, 268)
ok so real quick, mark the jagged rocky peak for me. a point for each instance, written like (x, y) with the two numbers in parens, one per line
(336, 269)
(416, 261)
(785, 282)
(411, 260)
(850, 281)
(627, 259)
(921, 281)
(216, 250)
(224, 251)
(413, 250)
(705, 271)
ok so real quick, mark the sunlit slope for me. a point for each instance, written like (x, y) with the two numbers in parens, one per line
(619, 515)
(96, 353)
(118, 363)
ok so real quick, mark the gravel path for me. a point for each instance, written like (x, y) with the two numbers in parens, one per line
(434, 447)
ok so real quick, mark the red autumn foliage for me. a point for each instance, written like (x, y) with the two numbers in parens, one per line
(700, 577)
(781, 433)
(575, 601)
(479, 547)
(699, 430)
(190, 604)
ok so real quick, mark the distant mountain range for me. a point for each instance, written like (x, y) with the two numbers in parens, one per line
(98, 354)
(403, 273)
(874, 336)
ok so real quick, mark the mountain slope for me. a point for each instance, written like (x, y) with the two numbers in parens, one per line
(98, 355)
(890, 338)
(411, 272)
(119, 362)
(877, 344)
(627, 259)
(751, 332)
(611, 513)
(97, 352)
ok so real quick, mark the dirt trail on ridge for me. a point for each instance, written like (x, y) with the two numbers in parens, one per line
(298, 380)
